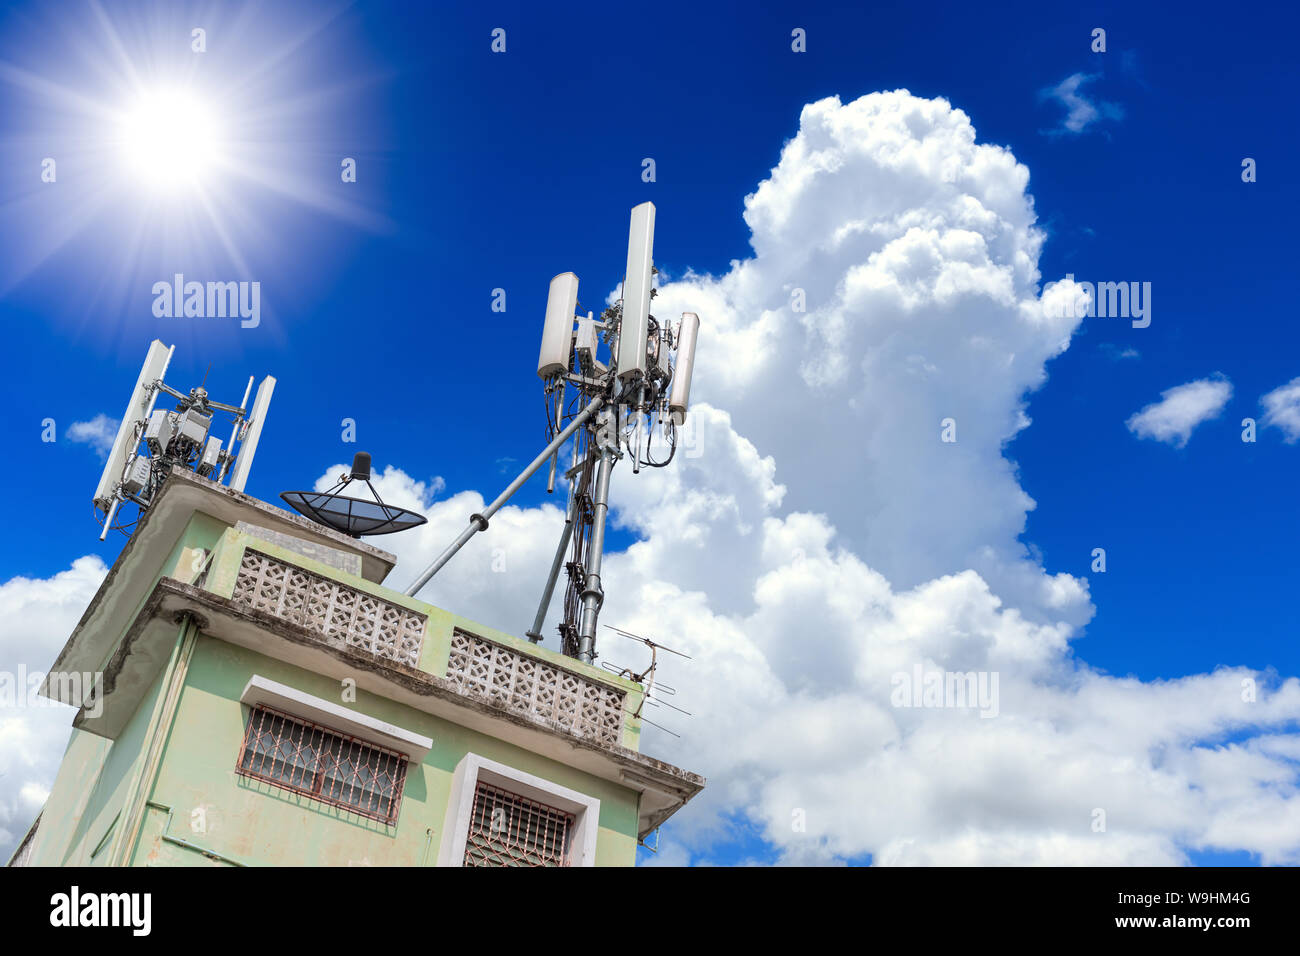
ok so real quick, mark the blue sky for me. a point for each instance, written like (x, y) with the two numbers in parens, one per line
(479, 171)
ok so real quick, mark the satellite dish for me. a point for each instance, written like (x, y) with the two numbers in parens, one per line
(353, 516)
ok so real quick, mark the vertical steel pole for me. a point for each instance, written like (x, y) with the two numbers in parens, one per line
(534, 634)
(592, 593)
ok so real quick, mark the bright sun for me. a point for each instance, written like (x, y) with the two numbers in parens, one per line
(169, 139)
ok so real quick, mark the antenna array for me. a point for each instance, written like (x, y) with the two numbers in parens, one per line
(613, 403)
(150, 441)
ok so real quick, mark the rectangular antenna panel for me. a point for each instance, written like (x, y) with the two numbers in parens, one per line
(557, 332)
(680, 394)
(248, 446)
(137, 410)
(636, 292)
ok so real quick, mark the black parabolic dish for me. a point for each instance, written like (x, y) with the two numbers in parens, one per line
(352, 516)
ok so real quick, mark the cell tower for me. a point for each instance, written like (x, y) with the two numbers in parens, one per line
(150, 442)
(610, 407)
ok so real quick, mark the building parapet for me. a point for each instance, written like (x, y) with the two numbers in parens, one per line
(561, 698)
(329, 607)
(570, 696)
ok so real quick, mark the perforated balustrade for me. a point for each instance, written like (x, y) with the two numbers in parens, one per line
(506, 829)
(519, 682)
(330, 608)
(525, 684)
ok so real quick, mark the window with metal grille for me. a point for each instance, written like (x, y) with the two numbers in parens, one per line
(506, 829)
(324, 764)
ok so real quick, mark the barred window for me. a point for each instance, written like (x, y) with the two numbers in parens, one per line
(506, 829)
(324, 764)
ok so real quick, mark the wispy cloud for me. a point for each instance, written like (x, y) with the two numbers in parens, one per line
(1080, 110)
(1180, 410)
(98, 433)
(1282, 409)
(1118, 354)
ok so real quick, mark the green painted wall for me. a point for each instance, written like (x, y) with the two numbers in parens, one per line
(257, 823)
(88, 793)
(184, 562)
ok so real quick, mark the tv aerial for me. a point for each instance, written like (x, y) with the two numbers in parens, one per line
(646, 677)
(150, 441)
(610, 406)
(353, 516)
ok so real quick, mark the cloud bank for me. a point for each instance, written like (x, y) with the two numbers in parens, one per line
(38, 616)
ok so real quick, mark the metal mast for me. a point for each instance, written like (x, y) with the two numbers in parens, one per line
(606, 407)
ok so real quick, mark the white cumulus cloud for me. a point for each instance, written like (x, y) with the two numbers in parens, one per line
(1282, 409)
(98, 433)
(1180, 410)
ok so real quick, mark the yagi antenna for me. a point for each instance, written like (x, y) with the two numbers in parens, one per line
(150, 442)
(662, 727)
(647, 641)
(647, 677)
(659, 687)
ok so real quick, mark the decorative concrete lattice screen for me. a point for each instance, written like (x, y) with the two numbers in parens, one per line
(330, 608)
(530, 686)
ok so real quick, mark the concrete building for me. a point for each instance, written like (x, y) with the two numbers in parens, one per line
(263, 699)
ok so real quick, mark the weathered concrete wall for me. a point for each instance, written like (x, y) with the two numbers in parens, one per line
(350, 563)
(253, 822)
(80, 818)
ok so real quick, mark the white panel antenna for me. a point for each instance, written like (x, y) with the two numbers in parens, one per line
(557, 333)
(137, 410)
(151, 443)
(248, 445)
(680, 394)
(636, 292)
(234, 431)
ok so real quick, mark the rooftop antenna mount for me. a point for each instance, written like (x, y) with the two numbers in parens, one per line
(610, 404)
(150, 442)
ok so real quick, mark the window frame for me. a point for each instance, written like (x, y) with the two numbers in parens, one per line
(329, 738)
(474, 769)
(521, 811)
